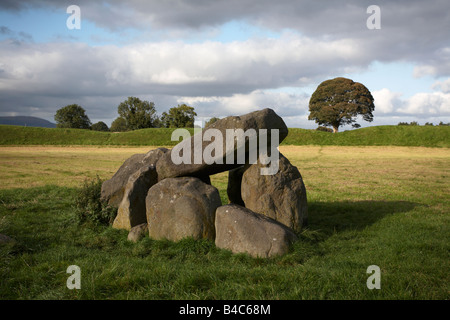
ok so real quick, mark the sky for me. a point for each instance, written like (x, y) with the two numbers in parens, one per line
(224, 57)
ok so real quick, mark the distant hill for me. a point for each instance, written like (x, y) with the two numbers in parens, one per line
(27, 122)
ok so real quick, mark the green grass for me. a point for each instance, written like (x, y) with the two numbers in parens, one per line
(386, 206)
(425, 136)
(418, 136)
(17, 135)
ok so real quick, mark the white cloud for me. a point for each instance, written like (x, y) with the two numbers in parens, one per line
(422, 104)
(424, 70)
(443, 85)
(386, 101)
(436, 64)
(432, 104)
(201, 69)
(285, 104)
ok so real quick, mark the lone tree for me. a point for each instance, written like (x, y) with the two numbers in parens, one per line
(72, 116)
(339, 101)
(182, 116)
(138, 114)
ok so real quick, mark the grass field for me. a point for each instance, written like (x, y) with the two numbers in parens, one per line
(385, 206)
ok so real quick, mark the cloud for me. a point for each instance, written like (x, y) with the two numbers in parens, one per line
(422, 104)
(437, 64)
(15, 36)
(177, 68)
(386, 101)
(311, 18)
(5, 30)
(216, 78)
(431, 104)
(411, 30)
(285, 104)
(232, 77)
(443, 85)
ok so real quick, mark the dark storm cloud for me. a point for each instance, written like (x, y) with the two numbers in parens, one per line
(308, 17)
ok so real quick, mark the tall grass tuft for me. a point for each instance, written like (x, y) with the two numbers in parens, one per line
(89, 207)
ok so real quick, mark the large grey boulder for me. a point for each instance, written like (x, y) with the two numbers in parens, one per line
(113, 189)
(281, 196)
(262, 119)
(132, 211)
(182, 207)
(243, 231)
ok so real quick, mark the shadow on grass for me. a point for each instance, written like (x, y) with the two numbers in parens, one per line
(329, 217)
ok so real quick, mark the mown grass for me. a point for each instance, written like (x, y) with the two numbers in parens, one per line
(31, 166)
(386, 206)
(425, 136)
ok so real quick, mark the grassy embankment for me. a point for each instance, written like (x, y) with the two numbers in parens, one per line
(418, 136)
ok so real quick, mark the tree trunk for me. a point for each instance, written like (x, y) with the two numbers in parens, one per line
(335, 129)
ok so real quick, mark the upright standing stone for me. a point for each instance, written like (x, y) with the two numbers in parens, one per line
(132, 210)
(281, 196)
(113, 189)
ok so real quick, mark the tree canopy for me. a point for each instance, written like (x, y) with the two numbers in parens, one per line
(72, 116)
(137, 114)
(100, 126)
(339, 101)
(118, 125)
(182, 116)
(211, 121)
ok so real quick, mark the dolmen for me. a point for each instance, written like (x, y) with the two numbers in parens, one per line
(167, 193)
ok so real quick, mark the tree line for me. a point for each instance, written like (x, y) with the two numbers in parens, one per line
(134, 114)
(415, 123)
(335, 102)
